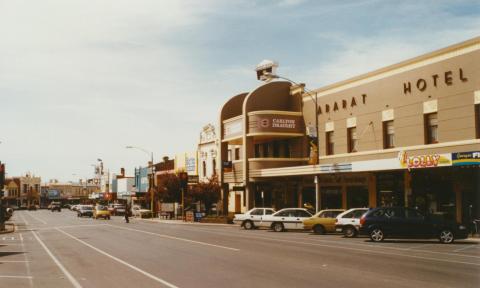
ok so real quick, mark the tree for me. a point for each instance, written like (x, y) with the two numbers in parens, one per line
(206, 192)
(168, 188)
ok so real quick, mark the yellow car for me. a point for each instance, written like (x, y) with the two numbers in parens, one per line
(323, 221)
(101, 211)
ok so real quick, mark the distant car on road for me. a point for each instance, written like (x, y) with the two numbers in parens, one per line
(400, 222)
(323, 221)
(348, 222)
(55, 206)
(285, 219)
(85, 210)
(252, 217)
(101, 211)
(137, 211)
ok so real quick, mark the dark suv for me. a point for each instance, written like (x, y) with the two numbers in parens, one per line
(400, 222)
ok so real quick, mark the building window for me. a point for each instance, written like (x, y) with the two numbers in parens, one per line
(477, 119)
(204, 168)
(257, 150)
(264, 152)
(276, 149)
(388, 135)
(286, 149)
(229, 156)
(431, 128)
(329, 143)
(352, 139)
(214, 167)
(237, 153)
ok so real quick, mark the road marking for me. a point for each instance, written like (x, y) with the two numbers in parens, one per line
(36, 218)
(362, 250)
(13, 261)
(415, 247)
(64, 270)
(23, 218)
(119, 260)
(465, 248)
(8, 238)
(66, 226)
(27, 263)
(18, 277)
(176, 238)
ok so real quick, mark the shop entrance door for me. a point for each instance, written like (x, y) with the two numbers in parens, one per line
(331, 197)
(357, 197)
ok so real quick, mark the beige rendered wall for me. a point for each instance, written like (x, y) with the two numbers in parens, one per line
(454, 92)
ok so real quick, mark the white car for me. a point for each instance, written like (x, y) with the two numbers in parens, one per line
(349, 221)
(252, 217)
(285, 219)
(137, 211)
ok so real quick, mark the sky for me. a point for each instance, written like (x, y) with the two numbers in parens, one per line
(80, 80)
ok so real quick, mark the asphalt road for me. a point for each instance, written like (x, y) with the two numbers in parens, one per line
(51, 249)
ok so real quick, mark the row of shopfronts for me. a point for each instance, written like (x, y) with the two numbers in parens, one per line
(403, 135)
(448, 190)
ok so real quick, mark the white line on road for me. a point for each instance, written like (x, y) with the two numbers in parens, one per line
(176, 238)
(23, 218)
(64, 270)
(18, 277)
(36, 218)
(120, 260)
(465, 248)
(27, 263)
(66, 226)
(13, 261)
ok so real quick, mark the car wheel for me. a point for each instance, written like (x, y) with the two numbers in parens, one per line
(277, 227)
(446, 236)
(318, 229)
(376, 235)
(248, 225)
(349, 232)
(108, 218)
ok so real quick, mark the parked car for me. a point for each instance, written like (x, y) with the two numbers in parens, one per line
(85, 210)
(323, 221)
(400, 222)
(285, 219)
(348, 222)
(74, 207)
(32, 207)
(119, 209)
(252, 217)
(8, 213)
(101, 211)
(55, 206)
(137, 211)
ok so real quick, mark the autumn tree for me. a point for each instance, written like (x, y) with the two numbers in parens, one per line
(206, 192)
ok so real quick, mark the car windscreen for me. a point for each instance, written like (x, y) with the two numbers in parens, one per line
(86, 208)
(102, 208)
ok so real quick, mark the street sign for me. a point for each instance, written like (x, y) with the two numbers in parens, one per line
(193, 179)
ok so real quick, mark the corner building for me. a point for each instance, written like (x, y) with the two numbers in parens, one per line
(404, 135)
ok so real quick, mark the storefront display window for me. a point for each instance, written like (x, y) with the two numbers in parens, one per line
(331, 197)
(357, 197)
(390, 189)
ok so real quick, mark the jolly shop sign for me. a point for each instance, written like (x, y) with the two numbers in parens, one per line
(424, 161)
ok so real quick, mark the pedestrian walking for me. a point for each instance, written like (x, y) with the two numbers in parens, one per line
(127, 211)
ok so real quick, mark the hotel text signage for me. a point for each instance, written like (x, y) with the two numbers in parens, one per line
(447, 77)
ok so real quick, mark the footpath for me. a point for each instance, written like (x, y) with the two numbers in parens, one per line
(9, 228)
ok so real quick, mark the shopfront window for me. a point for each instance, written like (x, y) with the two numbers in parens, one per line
(357, 197)
(390, 189)
(331, 197)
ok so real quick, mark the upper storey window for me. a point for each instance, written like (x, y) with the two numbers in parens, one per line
(431, 128)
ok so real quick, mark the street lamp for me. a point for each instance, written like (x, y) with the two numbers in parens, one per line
(314, 96)
(152, 177)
